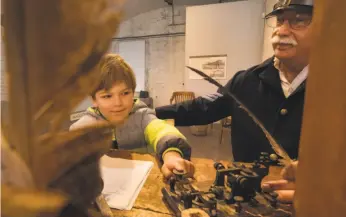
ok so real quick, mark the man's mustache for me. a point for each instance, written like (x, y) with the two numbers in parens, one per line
(283, 40)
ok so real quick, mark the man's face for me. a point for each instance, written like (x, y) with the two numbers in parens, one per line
(116, 103)
(291, 38)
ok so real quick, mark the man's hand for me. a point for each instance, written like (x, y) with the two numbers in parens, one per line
(289, 172)
(173, 160)
(284, 187)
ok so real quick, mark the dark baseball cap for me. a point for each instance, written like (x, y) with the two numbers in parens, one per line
(298, 5)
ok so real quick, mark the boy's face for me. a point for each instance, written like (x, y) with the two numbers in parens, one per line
(116, 103)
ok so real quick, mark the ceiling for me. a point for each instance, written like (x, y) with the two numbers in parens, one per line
(135, 7)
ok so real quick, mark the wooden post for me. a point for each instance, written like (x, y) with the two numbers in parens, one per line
(19, 133)
(52, 48)
(321, 178)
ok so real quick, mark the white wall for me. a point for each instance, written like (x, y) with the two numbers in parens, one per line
(133, 53)
(235, 29)
(166, 61)
(267, 46)
(165, 49)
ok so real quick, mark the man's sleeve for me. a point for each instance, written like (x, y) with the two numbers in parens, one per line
(200, 111)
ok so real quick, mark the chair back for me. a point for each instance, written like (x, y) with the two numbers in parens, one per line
(181, 96)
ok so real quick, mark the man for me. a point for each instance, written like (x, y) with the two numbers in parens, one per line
(273, 91)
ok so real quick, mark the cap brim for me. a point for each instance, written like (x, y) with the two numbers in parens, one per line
(290, 7)
(278, 10)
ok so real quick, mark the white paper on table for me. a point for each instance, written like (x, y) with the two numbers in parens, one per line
(123, 179)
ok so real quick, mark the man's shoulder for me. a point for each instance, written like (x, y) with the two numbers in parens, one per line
(253, 71)
(248, 76)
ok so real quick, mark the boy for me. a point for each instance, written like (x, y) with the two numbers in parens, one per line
(136, 126)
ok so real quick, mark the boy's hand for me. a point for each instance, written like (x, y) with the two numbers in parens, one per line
(173, 160)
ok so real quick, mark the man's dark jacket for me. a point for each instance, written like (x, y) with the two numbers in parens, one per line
(259, 88)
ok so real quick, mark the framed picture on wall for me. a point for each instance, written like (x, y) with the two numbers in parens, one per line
(213, 65)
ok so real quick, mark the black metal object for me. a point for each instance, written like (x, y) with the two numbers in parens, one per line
(243, 181)
(233, 185)
(182, 195)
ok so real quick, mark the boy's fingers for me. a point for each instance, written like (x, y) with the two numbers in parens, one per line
(166, 172)
(190, 169)
(180, 167)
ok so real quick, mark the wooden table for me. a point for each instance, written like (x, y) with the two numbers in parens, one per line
(149, 202)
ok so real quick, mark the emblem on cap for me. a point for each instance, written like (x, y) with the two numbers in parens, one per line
(284, 3)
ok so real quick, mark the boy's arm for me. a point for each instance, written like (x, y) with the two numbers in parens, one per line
(163, 137)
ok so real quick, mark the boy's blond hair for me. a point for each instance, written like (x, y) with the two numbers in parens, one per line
(114, 69)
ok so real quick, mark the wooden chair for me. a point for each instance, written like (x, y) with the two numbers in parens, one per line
(181, 96)
(225, 123)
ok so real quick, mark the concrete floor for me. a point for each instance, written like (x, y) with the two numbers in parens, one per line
(209, 146)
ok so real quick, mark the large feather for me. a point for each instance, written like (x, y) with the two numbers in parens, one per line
(51, 59)
(21, 202)
(286, 160)
(52, 48)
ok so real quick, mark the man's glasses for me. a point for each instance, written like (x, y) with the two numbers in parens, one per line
(296, 21)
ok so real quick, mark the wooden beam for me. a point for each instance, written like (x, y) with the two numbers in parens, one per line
(321, 176)
(16, 63)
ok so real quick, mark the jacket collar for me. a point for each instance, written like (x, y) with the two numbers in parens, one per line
(269, 74)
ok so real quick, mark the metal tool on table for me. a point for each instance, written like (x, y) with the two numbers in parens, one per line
(234, 185)
(181, 195)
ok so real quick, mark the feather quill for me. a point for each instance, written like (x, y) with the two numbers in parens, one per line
(52, 69)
